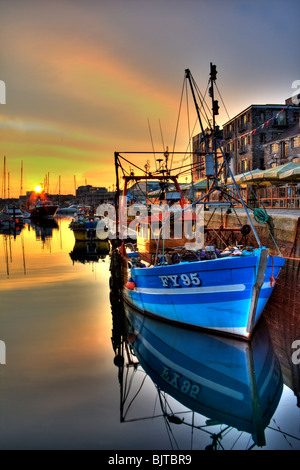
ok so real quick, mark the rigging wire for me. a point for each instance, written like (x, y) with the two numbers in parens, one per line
(178, 117)
(222, 101)
(161, 134)
(152, 142)
(135, 395)
(170, 433)
(202, 100)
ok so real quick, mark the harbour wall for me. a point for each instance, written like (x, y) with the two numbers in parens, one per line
(281, 229)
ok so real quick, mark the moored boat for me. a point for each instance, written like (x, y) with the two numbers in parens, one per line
(84, 226)
(225, 295)
(224, 291)
(43, 209)
(14, 213)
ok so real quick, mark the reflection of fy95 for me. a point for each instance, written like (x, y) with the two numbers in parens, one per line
(2, 92)
(2, 352)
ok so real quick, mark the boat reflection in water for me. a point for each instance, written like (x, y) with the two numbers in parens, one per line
(233, 383)
(88, 252)
(44, 228)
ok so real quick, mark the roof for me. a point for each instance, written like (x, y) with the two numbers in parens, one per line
(273, 106)
(289, 133)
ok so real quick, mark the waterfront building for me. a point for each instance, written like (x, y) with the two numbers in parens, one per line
(258, 138)
(284, 148)
(93, 195)
(246, 134)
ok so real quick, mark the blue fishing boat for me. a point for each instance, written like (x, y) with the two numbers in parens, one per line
(232, 383)
(225, 295)
(224, 291)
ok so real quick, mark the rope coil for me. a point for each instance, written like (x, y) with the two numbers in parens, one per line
(260, 216)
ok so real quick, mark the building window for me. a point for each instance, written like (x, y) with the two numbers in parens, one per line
(274, 148)
(281, 119)
(295, 142)
(244, 165)
(284, 149)
(262, 116)
(262, 138)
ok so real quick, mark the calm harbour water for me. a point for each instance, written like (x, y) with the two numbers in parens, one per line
(60, 386)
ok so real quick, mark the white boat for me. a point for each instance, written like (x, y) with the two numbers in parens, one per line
(14, 213)
(69, 209)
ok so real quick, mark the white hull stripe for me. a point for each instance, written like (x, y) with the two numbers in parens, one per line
(191, 290)
(197, 290)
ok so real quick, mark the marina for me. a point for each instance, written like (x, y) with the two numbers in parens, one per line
(150, 229)
(159, 315)
(81, 375)
(218, 287)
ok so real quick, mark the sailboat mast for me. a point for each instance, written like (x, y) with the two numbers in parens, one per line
(215, 111)
(59, 184)
(117, 194)
(4, 178)
(75, 184)
(21, 188)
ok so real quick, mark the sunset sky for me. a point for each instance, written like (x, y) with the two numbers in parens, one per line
(84, 78)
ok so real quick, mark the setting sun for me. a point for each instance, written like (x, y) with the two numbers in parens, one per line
(38, 189)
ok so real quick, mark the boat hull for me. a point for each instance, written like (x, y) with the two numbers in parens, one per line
(43, 212)
(216, 294)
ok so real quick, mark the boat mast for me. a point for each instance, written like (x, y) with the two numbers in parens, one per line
(188, 76)
(21, 187)
(215, 111)
(4, 178)
(216, 145)
(117, 191)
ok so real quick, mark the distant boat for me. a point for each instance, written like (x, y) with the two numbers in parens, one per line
(84, 226)
(69, 209)
(43, 209)
(14, 213)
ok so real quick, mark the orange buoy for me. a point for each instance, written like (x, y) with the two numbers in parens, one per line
(131, 338)
(130, 284)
